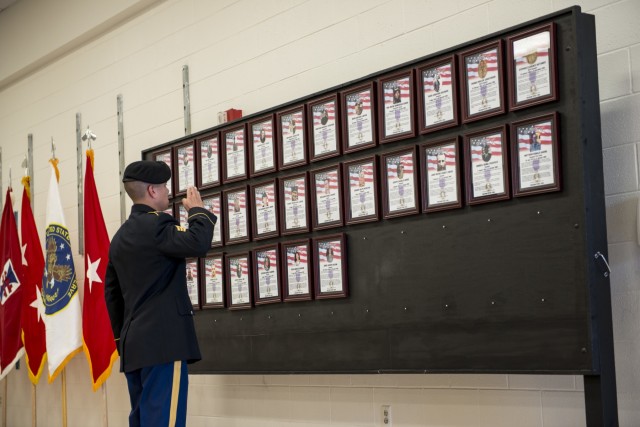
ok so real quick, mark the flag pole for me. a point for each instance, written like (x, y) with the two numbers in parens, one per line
(64, 398)
(34, 416)
(105, 419)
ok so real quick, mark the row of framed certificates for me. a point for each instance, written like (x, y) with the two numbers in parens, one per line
(426, 178)
(300, 270)
(379, 111)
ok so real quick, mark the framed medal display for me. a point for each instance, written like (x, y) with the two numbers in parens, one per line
(264, 212)
(324, 132)
(396, 109)
(292, 141)
(238, 275)
(330, 261)
(482, 82)
(440, 175)
(532, 67)
(535, 155)
(486, 160)
(213, 203)
(266, 274)
(185, 156)
(262, 150)
(213, 283)
(361, 190)
(208, 156)
(192, 282)
(296, 271)
(326, 196)
(234, 154)
(438, 94)
(166, 157)
(399, 183)
(294, 210)
(358, 118)
(236, 207)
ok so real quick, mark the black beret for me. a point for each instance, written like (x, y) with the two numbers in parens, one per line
(147, 171)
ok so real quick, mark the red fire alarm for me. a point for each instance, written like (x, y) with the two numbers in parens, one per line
(233, 114)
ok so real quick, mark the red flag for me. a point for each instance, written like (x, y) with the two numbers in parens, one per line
(99, 345)
(10, 290)
(33, 329)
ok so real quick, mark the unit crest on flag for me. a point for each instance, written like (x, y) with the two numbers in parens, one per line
(59, 282)
(10, 281)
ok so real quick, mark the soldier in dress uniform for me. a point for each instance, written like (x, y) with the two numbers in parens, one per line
(146, 294)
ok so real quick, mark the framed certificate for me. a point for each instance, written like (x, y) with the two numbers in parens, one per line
(208, 155)
(264, 212)
(361, 190)
(193, 286)
(330, 260)
(185, 156)
(236, 206)
(294, 211)
(262, 152)
(213, 289)
(234, 160)
(438, 100)
(358, 118)
(180, 213)
(533, 77)
(326, 194)
(213, 204)
(396, 113)
(399, 183)
(292, 142)
(482, 87)
(165, 156)
(535, 155)
(485, 154)
(266, 274)
(324, 132)
(440, 175)
(238, 274)
(296, 271)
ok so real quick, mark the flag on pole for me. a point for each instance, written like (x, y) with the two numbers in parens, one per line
(59, 286)
(33, 331)
(99, 345)
(11, 290)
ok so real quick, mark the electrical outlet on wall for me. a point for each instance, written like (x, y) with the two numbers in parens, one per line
(386, 416)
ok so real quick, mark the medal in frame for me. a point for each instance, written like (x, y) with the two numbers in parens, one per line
(193, 285)
(234, 154)
(264, 212)
(292, 141)
(296, 270)
(213, 283)
(533, 74)
(185, 155)
(166, 157)
(266, 274)
(238, 275)
(400, 183)
(208, 155)
(358, 118)
(326, 194)
(236, 207)
(324, 131)
(440, 175)
(535, 155)
(294, 207)
(330, 260)
(262, 152)
(486, 165)
(213, 203)
(396, 109)
(438, 100)
(482, 82)
(361, 190)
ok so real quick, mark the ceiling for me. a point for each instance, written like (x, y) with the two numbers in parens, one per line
(5, 4)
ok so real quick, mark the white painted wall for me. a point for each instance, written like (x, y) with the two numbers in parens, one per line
(254, 54)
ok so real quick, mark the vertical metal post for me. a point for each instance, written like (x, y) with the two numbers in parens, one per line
(121, 157)
(80, 183)
(186, 100)
(30, 168)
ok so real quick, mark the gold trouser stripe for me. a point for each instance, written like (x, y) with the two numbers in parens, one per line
(175, 391)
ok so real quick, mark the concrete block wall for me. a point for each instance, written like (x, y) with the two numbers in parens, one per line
(254, 54)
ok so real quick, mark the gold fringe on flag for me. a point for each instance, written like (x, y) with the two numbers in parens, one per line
(90, 154)
(26, 183)
(54, 163)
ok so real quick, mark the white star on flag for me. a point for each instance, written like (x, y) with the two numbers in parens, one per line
(24, 251)
(68, 257)
(62, 246)
(38, 304)
(92, 272)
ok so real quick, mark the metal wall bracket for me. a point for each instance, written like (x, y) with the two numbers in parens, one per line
(80, 182)
(186, 100)
(121, 157)
(32, 183)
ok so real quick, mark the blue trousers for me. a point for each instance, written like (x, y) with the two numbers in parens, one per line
(158, 395)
